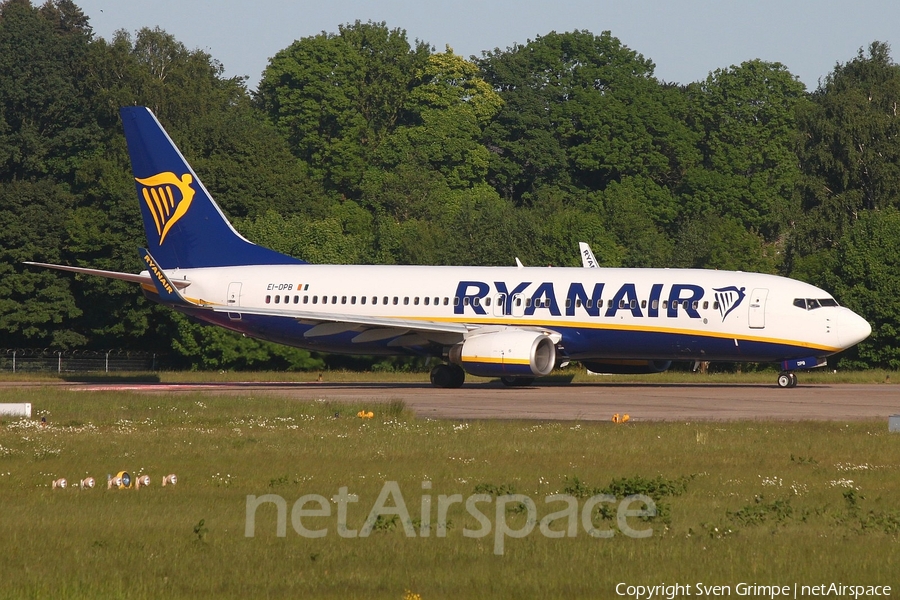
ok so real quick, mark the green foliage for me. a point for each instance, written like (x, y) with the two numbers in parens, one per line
(745, 117)
(865, 276)
(504, 489)
(37, 307)
(336, 97)
(849, 155)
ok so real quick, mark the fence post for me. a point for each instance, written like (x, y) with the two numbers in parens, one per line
(107, 362)
(14, 361)
(59, 364)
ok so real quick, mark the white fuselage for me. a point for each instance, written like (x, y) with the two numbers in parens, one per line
(599, 313)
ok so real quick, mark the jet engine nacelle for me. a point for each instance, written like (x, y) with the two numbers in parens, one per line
(628, 367)
(506, 353)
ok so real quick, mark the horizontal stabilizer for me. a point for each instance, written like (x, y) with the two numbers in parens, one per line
(132, 277)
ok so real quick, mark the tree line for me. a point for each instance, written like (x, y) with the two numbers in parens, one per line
(358, 146)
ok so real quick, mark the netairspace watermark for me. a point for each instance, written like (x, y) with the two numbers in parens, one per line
(390, 503)
(665, 591)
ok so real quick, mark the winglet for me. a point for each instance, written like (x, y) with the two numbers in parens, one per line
(587, 257)
(168, 292)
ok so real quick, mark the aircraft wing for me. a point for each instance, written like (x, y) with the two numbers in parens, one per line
(132, 277)
(369, 328)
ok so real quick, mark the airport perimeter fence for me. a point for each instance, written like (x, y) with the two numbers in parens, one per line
(18, 360)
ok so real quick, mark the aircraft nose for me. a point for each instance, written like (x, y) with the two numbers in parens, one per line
(852, 328)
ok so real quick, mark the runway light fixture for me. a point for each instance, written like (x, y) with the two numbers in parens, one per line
(121, 481)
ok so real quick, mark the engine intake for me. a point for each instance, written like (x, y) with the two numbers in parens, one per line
(509, 352)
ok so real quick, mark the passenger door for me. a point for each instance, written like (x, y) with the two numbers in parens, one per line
(757, 317)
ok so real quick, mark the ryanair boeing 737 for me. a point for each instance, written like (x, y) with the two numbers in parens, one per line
(516, 323)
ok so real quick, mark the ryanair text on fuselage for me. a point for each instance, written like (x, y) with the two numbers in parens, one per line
(684, 296)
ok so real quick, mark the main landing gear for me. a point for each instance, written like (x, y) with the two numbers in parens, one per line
(787, 379)
(447, 376)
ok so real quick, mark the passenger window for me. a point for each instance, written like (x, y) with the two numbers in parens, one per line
(305, 299)
(610, 304)
(577, 303)
(705, 304)
(438, 301)
(465, 301)
(446, 301)
(527, 301)
(695, 304)
(324, 299)
(343, 299)
(569, 302)
(655, 305)
(405, 300)
(643, 304)
(352, 299)
(621, 303)
(396, 300)
(455, 300)
(590, 302)
(487, 301)
(665, 304)
(362, 299)
(334, 299)
(385, 300)
(268, 299)
(277, 299)
(427, 299)
(315, 299)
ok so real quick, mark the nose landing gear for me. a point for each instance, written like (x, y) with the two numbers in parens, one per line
(787, 379)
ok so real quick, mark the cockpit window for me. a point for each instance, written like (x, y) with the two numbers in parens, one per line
(814, 303)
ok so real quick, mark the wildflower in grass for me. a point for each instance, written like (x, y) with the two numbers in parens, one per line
(408, 595)
(771, 481)
(844, 483)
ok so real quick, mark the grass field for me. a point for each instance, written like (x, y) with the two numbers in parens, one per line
(755, 502)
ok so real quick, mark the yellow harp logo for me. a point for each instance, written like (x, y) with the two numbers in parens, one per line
(165, 206)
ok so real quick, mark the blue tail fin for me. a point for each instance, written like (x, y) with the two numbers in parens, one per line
(185, 227)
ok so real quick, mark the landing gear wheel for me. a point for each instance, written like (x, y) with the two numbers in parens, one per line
(517, 381)
(458, 376)
(787, 380)
(447, 376)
